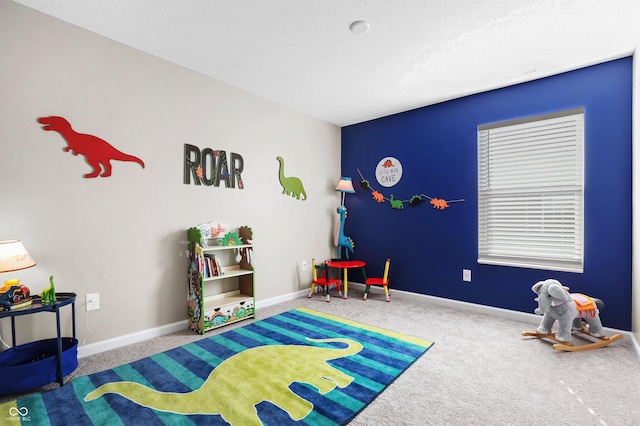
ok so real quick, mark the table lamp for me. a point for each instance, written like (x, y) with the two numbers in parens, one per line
(345, 186)
(13, 256)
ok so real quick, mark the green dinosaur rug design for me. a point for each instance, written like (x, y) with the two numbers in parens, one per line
(298, 367)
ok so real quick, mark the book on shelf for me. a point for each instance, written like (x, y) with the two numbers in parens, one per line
(212, 266)
(201, 263)
(208, 272)
(23, 303)
(219, 265)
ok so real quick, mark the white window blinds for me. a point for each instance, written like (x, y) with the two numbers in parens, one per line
(530, 191)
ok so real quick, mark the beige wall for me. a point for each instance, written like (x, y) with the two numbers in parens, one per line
(124, 236)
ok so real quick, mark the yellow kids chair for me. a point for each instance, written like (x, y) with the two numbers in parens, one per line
(384, 282)
(325, 280)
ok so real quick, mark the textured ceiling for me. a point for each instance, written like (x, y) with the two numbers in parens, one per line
(301, 53)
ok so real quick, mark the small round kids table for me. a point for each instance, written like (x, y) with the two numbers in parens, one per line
(345, 265)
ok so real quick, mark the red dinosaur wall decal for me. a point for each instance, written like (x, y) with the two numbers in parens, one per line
(96, 151)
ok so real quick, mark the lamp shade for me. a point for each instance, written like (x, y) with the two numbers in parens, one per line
(13, 256)
(345, 185)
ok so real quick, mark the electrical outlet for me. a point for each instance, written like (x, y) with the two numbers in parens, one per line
(304, 265)
(92, 302)
(466, 275)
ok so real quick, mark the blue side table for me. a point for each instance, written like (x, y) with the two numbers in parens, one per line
(32, 365)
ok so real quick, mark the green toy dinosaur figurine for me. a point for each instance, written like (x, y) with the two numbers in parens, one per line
(48, 295)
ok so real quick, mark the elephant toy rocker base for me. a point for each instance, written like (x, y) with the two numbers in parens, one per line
(573, 312)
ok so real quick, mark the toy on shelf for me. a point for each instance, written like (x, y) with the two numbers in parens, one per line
(573, 312)
(14, 295)
(341, 240)
(48, 295)
(7, 297)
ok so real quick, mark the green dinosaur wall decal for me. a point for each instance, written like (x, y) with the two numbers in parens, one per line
(290, 185)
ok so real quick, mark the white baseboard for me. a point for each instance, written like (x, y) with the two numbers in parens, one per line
(280, 299)
(140, 336)
(98, 347)
(534, 319)
(128, 339)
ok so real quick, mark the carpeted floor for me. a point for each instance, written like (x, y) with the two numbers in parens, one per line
(301, 365)
(480, 372)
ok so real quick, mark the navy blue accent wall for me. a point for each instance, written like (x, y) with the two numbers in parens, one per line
(437, 146)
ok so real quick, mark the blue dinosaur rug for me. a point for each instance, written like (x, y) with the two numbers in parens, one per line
(298, 367)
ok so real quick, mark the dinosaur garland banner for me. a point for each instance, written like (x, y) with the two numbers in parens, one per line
(210, 167)
(298, 367)
(414, 201)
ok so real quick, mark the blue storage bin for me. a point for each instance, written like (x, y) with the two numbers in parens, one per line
(33, 365)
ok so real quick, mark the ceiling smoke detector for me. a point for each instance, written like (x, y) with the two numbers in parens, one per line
(359, 27)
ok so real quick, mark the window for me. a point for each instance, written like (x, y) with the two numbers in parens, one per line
(530, 191)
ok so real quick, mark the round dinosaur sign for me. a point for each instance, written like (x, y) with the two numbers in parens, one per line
(389, 171)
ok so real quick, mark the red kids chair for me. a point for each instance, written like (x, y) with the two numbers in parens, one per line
(384, 282)
(325, 280)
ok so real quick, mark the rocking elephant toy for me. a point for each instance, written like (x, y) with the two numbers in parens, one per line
(573, 312)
